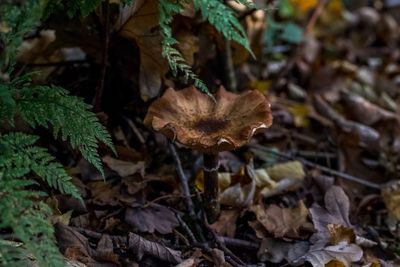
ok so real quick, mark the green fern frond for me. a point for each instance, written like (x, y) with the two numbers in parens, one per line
(29, 223)
(7, 104)
(19, 157)
(174, 57)
(224, 20)
(68, 115)
(18, 19)
(248, 3)
(88, 6)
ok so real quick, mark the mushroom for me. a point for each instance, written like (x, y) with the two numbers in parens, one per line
(196, 121)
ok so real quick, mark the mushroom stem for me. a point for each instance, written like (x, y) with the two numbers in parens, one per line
(210, 168)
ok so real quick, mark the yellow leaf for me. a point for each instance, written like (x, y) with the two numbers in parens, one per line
(224, 180)
(391, 197)
(261, 86)
(335, 7)
(4, 28)
(263, 180)
(303, 6)
(335, 263)
(300, 113)
(291, 169)
(339, 233)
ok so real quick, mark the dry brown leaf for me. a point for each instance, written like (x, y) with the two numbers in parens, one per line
(258, 228)
(32, 49)
(342, 252)
(105, 250)
(340, 233)
(365, 111)
(276, 250)
(76, 247)
(141, 246)
(104, 193)
(391, 197)
(193, 261)
(188, 45)
(187, 263)
(281, 222)
(139, 23)
(336, 211)
(242, 189)
(124, 168)
(152, 218)
(219, 258)
(226, 223)
(352, 132)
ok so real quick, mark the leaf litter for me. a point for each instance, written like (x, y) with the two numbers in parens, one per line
(333, 86)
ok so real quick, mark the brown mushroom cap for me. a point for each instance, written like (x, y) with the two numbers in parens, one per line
(196, 121)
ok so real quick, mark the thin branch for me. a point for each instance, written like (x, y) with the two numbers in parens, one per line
(316, 14)
(183, 179)
(229, 69)
(100, 87)
(240, 244)
(317, 166)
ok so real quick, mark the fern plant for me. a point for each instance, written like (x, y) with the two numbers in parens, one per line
(69, 117)
(217, 14)
(25, 217)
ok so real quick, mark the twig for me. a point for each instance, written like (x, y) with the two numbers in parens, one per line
(59, 63)
(88, 233)
(238, 243)
(183, 179)
(135, 130)
(317, 166)
(161, 198)
(138, 245)
(229, 256)
(235, 260)
(314, 17)
(186, 228)
(229, 70)
(100, 87)
(186, 191)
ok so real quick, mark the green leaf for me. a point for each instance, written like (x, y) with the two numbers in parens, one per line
(286, 9)
(292, 33)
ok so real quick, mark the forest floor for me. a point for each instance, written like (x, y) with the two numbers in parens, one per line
(320, 186)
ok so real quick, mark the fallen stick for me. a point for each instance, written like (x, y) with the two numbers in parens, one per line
(317, 166)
